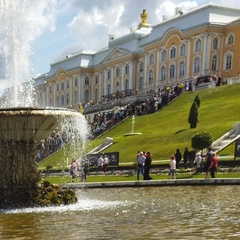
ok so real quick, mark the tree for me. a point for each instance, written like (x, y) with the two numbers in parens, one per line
(197, 100)
(201, 140)
(193, 115)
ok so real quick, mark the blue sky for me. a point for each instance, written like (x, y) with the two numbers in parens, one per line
(61, 27)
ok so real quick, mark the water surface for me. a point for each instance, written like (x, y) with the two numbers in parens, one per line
(183, 212)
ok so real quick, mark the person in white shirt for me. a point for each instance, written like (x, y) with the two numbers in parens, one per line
(105, 164)
(172, 165)
(141, 162)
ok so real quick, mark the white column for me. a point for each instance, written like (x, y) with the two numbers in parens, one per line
(188, 64)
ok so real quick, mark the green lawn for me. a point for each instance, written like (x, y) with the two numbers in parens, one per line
(165, 131)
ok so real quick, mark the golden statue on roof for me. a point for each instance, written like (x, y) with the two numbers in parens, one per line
(144, 17)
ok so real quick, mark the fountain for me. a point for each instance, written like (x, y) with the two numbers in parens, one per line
(22, 123)
(133, 125)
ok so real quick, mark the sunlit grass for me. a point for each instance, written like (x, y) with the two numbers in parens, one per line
(165, 131)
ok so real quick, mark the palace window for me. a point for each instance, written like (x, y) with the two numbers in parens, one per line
(196, 65)
(87, 98)
(150, 77)
(164, 55)
(109, 74)
(163, 73)
(181, 69)
(151, 59)
(87, 80)
(198, 44)
(126, 69)
(62, 86)
(230, 39)
(117, 72)
(173, 52)
(183, 50)
(141, 66)
(214, 63)
(215, 43)
(172, 71)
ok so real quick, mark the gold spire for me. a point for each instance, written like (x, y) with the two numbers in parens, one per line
(144, 17)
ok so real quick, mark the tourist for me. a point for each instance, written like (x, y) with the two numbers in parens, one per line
(214, 164)
(185, 157)
(147, 166)
(208, 160)
(105, 164)
(73, 169)
(141, 162)
(198, 162)
(192, 156)
(84, 164)
(172, 165)
(178, 157)
(100, 163)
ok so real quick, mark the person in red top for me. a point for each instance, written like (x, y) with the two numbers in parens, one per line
(214, 165)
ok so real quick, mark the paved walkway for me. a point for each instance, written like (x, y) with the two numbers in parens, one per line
(155, 183)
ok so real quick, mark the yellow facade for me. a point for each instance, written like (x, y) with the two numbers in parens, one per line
(178, 55)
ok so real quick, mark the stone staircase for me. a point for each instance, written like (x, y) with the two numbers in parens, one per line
(227, 138)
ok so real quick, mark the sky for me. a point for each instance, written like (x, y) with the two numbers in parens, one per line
(56, 28)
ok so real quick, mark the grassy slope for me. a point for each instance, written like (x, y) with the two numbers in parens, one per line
(168, 129)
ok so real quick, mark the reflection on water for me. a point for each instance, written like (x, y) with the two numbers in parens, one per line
(201, 212)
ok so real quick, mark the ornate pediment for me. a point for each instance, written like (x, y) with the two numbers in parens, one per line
(116, 54)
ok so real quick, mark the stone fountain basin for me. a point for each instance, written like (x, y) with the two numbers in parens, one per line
(32, 124)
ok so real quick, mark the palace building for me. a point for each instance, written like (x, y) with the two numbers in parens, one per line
(201, 41)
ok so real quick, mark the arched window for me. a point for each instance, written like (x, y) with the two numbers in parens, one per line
(183, 50)
(96, 79)
(126, 69)
(57, 87)
(76, 81)
(109, 74)
(214, 63)
(62, 100)
(67, 99)
(126, 85)
(87, 98)
(181, 69)
(117, 88)
(196, 65)
(198, 45)
(68, 84)
(228, 60)
(141, 66)
(172, 71)
(87, 80)
(173, 52)
(75, 97)
(151, 59)
(50, 102)
(164, 55)
(163, 73)
(96, 95)
(150, 77)
(62, 86)
(230, 39)
(108, 89)
(215, 43)
(117, 72)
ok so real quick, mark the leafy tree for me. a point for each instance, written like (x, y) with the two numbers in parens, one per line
(201, 140)
(197, 100)
(193, 115)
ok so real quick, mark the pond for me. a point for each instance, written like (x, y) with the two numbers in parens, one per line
(176, 212)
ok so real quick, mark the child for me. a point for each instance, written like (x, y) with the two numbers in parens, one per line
(172, 165)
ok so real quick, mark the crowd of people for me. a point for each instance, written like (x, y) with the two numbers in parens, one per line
(194, 160)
